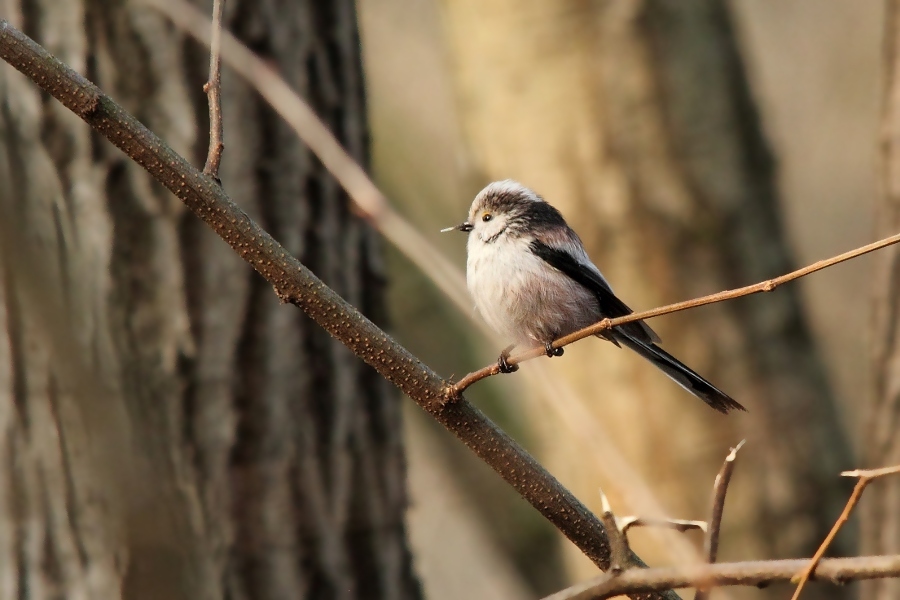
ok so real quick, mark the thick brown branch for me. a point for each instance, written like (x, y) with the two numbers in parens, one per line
(213, 89)
(763, 286)
(757, 573)
(865, 477)
(294, 283)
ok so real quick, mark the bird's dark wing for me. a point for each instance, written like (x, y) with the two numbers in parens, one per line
(610, 305)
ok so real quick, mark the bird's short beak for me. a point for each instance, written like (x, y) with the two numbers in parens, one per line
(461, 227)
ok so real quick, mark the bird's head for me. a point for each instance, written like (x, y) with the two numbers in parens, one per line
(503, 207)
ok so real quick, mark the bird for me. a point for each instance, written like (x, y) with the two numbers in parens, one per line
(532, 282)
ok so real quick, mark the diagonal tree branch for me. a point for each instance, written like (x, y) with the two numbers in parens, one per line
(294, 283)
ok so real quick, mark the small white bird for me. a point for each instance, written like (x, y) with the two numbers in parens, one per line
(533, 282)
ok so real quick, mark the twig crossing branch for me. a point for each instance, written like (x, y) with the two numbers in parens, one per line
(865, 477)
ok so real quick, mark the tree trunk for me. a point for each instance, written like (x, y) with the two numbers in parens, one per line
(636, 120)
(169, 430)
(879, 516)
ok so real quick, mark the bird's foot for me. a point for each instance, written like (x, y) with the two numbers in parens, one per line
(550, 351)
(504, 366)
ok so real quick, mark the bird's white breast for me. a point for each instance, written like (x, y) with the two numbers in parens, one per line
(520, 296)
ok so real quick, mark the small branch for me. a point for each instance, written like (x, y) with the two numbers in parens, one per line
(620, 556)
(213, 89)
(865, 476)
(763, 286)
(682, 525)
(756, 573)
(720, 489)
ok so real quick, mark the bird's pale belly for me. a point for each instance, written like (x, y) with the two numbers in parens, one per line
(525, 300)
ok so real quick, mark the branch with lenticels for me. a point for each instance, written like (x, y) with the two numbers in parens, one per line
(296, 284)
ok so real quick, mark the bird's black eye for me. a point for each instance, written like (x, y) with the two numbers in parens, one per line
(486, 217)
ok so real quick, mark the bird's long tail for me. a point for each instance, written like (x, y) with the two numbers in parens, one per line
(680, 373)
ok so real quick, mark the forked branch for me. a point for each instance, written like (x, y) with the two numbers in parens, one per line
(864, 478)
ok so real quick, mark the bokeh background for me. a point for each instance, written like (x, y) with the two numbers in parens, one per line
(169, 430)
(814, 73)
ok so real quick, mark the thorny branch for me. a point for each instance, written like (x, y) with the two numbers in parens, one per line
(682, 525)
(756, 573)
(294, 283)
(763, 286)
(720, 489)
(865, 477)
(621, 556)
(213, 89)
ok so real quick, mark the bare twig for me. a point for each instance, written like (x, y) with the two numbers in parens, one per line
(620, 556)
(865, 476)
(294, 283)
(763, 286)
(682, 525)
(213, 89)
(720, 489)
(756, 573)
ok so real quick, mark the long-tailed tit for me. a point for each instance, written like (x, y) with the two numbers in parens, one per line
(533, 282)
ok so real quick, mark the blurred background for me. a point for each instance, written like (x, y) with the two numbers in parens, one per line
(554, 95)
(172, 431)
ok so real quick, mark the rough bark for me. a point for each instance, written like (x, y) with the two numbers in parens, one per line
(169, 429)
(636, 120)
(879, 517)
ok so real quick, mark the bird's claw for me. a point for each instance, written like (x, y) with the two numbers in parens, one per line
(550, 351)
(504, 366)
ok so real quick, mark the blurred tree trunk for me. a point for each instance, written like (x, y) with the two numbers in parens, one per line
(168, 429)
(879, 517)
(636, 120)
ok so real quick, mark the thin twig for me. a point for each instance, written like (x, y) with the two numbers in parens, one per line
(865, 476)
(213, 89)
(756, 573)
(763, 286)
(720, 489)
(682, 525)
